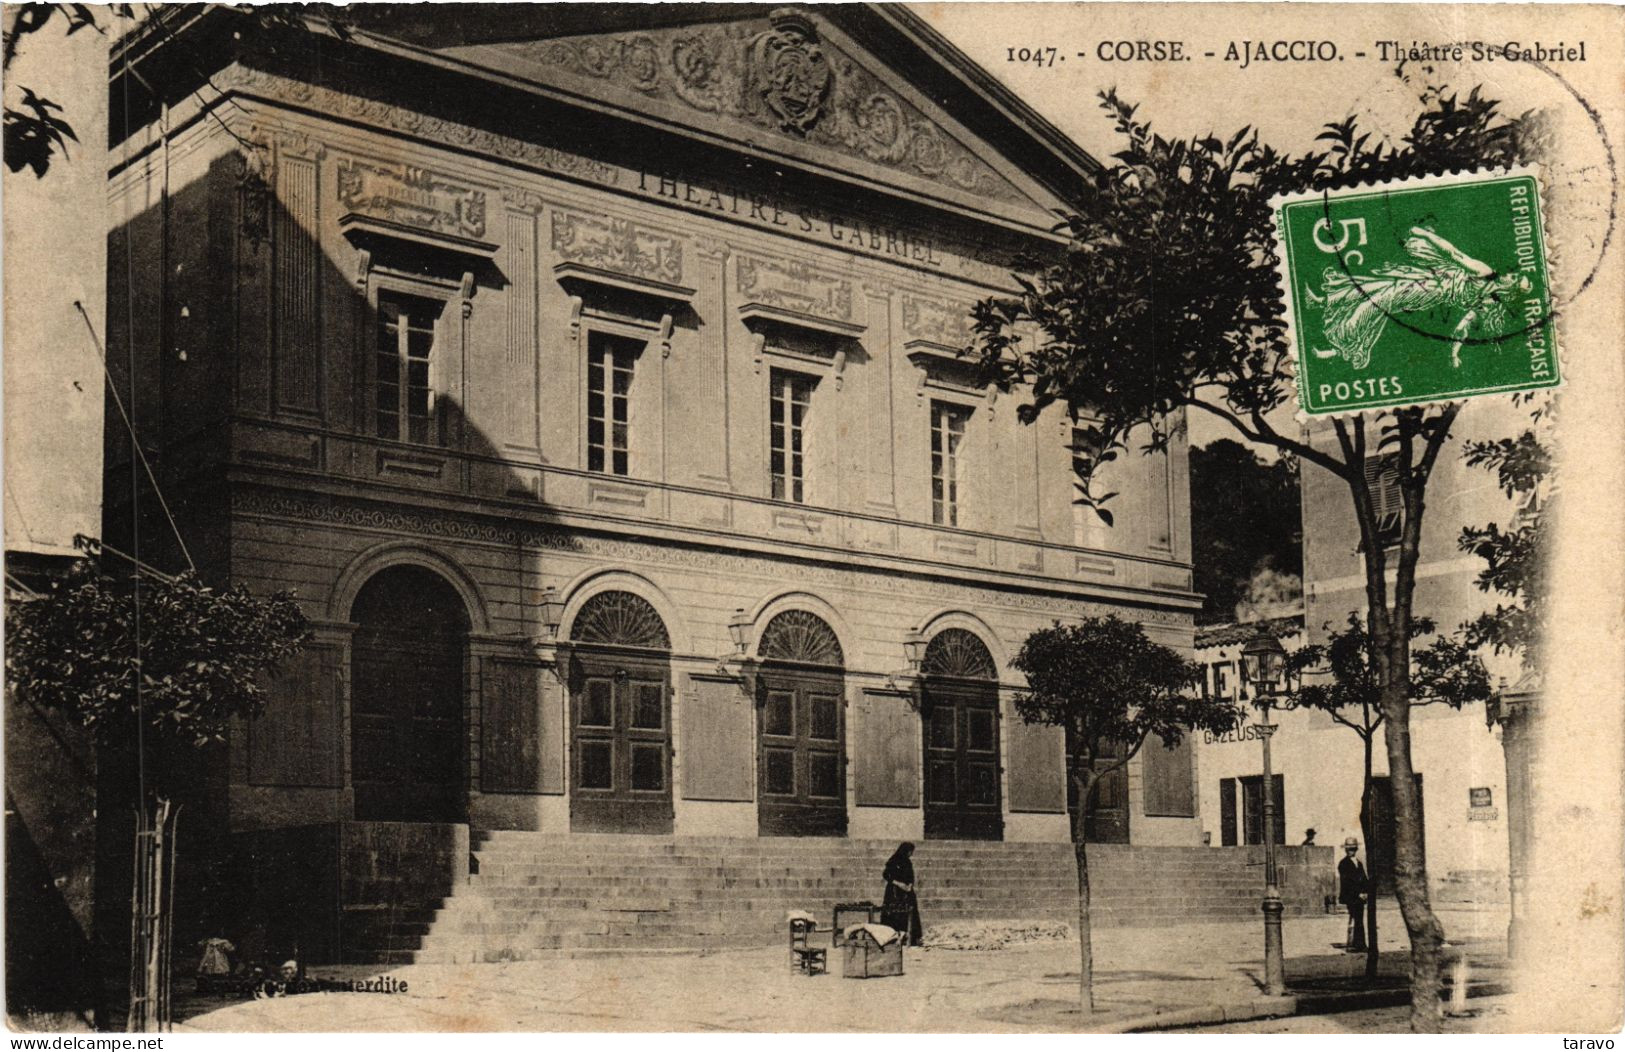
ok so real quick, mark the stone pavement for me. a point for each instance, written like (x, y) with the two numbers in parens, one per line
(1140, 972)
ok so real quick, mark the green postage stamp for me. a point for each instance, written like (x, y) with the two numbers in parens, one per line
(1417, 291)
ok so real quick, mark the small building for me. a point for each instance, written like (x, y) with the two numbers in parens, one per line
(1317, 762)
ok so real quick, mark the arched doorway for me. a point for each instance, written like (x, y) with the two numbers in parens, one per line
(801, 728)
(407, 736)
(620, 717)
(959, 703)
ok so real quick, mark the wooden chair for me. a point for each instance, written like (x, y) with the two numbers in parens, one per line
(805, 958)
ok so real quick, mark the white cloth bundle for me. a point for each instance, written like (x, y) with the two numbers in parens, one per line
(880, 933)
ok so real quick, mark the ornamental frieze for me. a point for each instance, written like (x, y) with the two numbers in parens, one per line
(335, 99)
(795, 286)
(778, 76)
(396, 522)
(935, 321)
(412, 196)
(618, 245)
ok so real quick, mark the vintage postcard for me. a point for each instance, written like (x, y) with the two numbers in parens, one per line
(814, 518)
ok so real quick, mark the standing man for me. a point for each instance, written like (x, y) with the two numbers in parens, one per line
(1353, 887)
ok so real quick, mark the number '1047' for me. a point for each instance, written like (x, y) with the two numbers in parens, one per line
(1038, 56)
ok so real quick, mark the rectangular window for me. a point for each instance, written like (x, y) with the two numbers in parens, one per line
(404, 401)
(610, 360)
(1387, 506)
(790, 395)
(947, 440)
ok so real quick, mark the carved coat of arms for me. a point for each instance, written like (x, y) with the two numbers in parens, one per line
(791, 71)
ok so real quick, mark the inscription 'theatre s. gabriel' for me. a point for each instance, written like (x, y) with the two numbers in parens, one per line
(764, 211)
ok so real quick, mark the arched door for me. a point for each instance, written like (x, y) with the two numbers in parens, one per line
(959, 703)
(407, 735)
(620, 717)
(801, 728)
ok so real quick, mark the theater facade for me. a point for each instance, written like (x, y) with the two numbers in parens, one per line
(591, 373)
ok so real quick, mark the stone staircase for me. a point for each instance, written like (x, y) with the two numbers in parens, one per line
(534, 895)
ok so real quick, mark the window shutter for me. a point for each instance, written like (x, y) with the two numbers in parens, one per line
(887, 751)
(1169, 789)
(511, 727)
(1387, 505)
(1227, 812)
(1037, 767)
(718, 746)
(296, 740)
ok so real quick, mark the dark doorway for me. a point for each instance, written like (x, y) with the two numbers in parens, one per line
(1107, 820)
(1379, 854)
(620, 717)
(1252, 807)
(960, 708)
(407, 738)
(801, 728)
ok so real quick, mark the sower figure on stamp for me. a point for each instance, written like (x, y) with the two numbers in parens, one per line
(1353, 886)
(901, 908)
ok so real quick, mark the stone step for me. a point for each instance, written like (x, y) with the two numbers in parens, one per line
(533, 895)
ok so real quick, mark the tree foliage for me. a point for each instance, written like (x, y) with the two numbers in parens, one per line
(1109, 685)
(1244, 521)
(1514, 556)
(1340, 677)
(175, 657)
(1110, 688)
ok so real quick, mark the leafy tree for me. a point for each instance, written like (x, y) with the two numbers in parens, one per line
(1110, 688)
(35, 130)
(1340, 678)
(168, 662)
(1165, 300)
(1244, 521)
(1514, 557)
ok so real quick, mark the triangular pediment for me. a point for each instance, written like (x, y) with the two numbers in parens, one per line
(791, 83)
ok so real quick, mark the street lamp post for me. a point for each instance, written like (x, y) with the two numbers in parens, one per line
(1261, 661)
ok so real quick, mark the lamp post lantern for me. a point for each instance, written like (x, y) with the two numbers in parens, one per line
(1261, 662)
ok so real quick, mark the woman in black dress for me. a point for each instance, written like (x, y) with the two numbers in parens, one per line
(901, 909)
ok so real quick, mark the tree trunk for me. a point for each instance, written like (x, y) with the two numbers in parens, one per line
(1080, 855)
(1410, 868)
(1390, 630)
(1373, 955)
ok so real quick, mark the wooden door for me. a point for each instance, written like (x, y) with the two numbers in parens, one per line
(801, 753)
(961, 735)
(620, 723)
(407, 739)
(1252, 808)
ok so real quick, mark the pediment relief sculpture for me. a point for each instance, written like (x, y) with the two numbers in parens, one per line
(780, 76)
